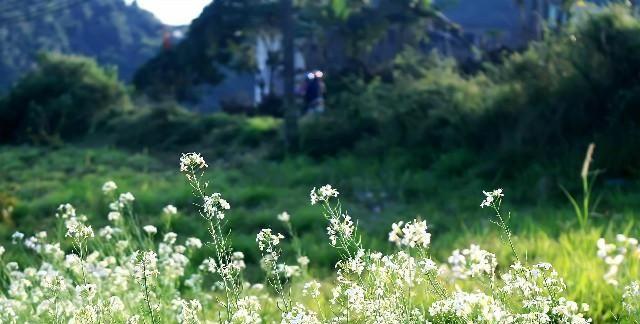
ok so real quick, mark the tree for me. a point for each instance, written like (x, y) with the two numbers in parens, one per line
(223, 35)
(226, 31)
(60, 100)
(291, 112)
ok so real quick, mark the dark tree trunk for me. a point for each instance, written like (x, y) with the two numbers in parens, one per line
(291, 111)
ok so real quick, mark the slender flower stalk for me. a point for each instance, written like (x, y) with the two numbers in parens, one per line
(213, 211)
(493, 199)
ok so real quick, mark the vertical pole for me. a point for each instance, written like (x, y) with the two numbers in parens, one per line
(291, 111)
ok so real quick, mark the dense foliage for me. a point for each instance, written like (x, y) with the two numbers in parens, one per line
(548, 102)
(167, 127)
(333, 34)
(108, 30)
(62, 99)
(576, 86)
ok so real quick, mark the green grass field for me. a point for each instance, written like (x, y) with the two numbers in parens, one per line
(34, 181)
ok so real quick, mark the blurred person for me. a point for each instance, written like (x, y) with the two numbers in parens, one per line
(314, 92)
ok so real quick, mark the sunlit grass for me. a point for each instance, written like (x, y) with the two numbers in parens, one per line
(39, 180)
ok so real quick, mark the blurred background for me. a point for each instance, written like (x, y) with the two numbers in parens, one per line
(409, 107)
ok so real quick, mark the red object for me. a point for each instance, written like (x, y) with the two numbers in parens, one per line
(166, 40)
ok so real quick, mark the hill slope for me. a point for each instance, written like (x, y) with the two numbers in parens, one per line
(108, 30)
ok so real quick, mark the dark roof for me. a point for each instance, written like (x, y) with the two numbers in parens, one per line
(485, 14)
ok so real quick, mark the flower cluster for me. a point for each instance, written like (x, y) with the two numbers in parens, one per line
(77, 229)
(614, 254)
(145, 265)
(284, 217)
(248, 311)
(121, 276)
(299, 314)
(214, 206)
(472, 262)
(412, 234)
(169, 210)
(125, 199)
(323, 194)
(192, 161)
(109, 187)
(491, 198)
(631, 298)
(188, 310)
(267, 241)
(111, 283)
(464, 307)
(66, 211)
(311, 288)
(340, 226)
(75, 225)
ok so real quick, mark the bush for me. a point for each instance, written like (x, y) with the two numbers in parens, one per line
(168, 126)
(427, 108)
(61, 99)
(577, 86)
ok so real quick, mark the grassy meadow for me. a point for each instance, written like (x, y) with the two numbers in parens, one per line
(35, 181)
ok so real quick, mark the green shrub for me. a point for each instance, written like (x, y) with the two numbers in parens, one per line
(578, 85)
(168, 126)
(62, 99)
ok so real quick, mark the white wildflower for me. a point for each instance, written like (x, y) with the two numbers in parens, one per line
(288, 271)
(114, 216)
(86, 314)
(107, 232)
(631, 298)
(146, 266)
(412, 234)
(170, 238)
(126, 198)
(284, 217)
(109, 187)
(17, 236)
(188, 311)
(311, 288)
(78, 230)
(237, 260)
(340, 227)
(208, 264)
(115, 304)
(66, 211)
(86, 291)
(267, 241)
(472, 262)
(192, 161)
(491, 197)
(169, 210)
(299, 314)
(303, 261)
(193, 242)
(323, 194)
(214, 206)
(248, 311)
(463, 306)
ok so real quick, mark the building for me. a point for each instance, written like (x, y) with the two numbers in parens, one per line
(464, 29)
(496, 24)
